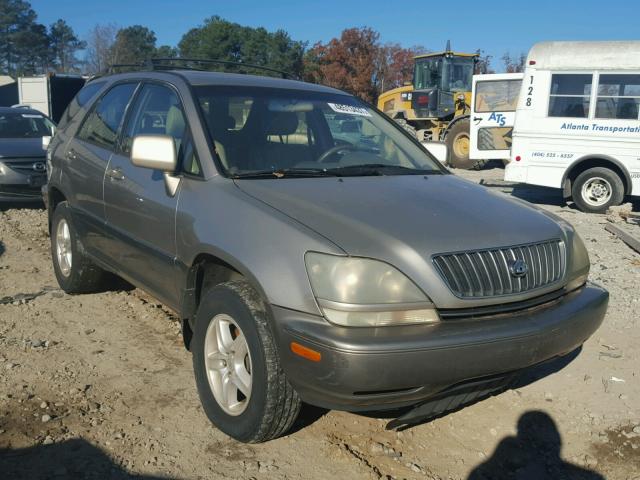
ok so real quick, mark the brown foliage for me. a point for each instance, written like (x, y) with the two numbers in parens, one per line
(358, 63)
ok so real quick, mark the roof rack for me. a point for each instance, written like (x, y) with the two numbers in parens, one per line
(163, 63)
(196, 64)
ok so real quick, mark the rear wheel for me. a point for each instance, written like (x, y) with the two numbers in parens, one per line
(240, 381)
(458, 143)
(75, 272)
(596, 189)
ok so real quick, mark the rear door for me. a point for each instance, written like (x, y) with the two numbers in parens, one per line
(493, 112)
(85, 161)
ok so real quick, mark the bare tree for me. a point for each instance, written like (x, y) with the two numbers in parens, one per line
(514, 64)
(100, 42)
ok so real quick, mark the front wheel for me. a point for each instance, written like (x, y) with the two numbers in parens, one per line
(240, 381)
(458, 143)
(596, 189)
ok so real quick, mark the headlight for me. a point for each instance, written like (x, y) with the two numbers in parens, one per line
(579, 265)
(360, 292)
(2, 169)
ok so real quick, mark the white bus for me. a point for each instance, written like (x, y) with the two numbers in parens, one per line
(577, 123)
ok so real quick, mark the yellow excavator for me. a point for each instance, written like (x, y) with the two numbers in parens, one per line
(436, 106)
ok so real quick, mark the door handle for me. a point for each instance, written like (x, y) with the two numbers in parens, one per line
(115, 173)
(477, 119)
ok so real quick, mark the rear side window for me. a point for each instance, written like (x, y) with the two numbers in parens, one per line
(79, 101)
(618, 96)
(570, 95)
(101, 125)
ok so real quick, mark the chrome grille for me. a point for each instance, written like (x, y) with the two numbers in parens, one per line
(487, 273)
(26, 165)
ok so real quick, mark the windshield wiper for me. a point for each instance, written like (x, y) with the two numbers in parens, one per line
(378, 169)
(285, 172)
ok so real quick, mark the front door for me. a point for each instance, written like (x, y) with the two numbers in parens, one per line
(493, 111)
(140, 214)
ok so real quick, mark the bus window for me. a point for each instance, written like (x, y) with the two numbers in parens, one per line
(570, 95)
(618, 96)
(497, 95)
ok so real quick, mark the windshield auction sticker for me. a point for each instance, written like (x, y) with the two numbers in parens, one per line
(31, 115)
(349, 109)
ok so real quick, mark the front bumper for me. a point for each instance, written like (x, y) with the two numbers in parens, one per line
(391, 367)
(18, 186)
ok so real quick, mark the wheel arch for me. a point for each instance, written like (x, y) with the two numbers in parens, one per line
(210, 268)
(54, 197)
(591, 161)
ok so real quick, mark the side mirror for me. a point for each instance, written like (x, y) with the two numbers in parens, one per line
(157, 152)
(438, 149)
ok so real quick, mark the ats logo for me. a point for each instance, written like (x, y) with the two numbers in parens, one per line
(499, 118)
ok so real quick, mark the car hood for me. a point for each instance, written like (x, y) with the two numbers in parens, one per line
(21, 148)
(404, 220)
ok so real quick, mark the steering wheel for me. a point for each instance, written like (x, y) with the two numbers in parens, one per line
(333, 150)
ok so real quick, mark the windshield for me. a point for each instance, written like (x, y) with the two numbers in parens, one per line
(451, 74)
(24, 125)
(307, 134)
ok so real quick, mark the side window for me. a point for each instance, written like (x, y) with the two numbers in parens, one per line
(79, 101)
(101, 126)
(570, 95)
(157, 111)
(497, 95)
(618, 97)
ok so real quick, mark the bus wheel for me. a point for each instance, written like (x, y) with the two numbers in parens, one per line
(596, 189)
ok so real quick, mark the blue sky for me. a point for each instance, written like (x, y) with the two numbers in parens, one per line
(494, 26)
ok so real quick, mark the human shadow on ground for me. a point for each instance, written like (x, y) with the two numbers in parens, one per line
(533, 454)
(68, 460)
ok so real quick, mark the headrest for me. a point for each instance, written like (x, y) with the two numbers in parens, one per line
(283, 123)
(221, 123)
(175, 122)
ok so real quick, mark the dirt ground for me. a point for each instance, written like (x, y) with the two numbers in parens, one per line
(100, 386)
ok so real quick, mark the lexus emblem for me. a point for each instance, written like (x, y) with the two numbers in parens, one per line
(39, 167)
(518, 268)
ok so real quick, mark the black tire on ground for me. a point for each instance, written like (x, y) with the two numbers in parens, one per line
(596, 189)
(273, 404)
(457, 140)
(408, 127)
(83, 276)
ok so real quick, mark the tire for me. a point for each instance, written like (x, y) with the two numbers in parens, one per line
(271, 405)
(596, 189)
(457, 140)
(408, 127)
(75, 272)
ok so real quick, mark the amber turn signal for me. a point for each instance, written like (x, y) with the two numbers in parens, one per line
(305, 352)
